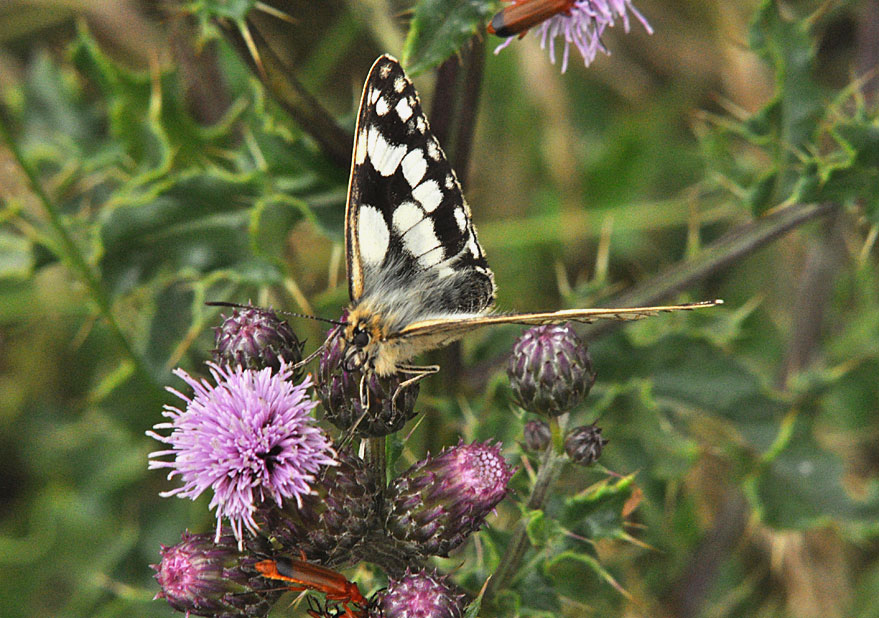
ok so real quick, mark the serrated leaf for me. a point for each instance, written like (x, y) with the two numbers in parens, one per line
(598, 512)
(569, 570)
(440, 28)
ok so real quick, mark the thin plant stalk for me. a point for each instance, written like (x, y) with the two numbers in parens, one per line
(551, 463)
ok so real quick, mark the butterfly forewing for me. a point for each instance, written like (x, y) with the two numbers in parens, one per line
(412, 250)
(455, 328)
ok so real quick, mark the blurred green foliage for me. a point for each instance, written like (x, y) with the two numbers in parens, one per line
(740, 474)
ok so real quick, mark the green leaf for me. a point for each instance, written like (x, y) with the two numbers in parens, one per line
(856, 180)
(271, 222)
(760, 196)
(194, 222)
(598, 512)
(16, 256)
(538, 528)
(474, 607)
(802, 487)
(690, 374)
(788, 124)
(130, 104)
(236, 10)
(535, 596)
(440, 28)
(570, 573)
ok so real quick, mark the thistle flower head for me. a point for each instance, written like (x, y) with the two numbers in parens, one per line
(550, 369)
(580, 23)
(331, 522)
(256, 338)
(339, 392)
(584, 444)
(207, 578)
(421, 594)
(440, 501)
(249, 438)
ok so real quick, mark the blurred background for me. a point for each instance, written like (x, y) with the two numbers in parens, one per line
(732, 154)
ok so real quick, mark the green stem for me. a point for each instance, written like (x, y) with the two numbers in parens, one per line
(551, 464)
(67, 251)
(278, 78)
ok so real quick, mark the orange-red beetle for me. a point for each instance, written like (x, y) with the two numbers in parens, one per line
(307, 576)
(521, 15)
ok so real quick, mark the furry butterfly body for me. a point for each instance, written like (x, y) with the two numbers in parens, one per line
(417, 275)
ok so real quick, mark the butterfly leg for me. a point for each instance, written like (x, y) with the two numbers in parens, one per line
(364, 390)
(418, 372)
(309, 358)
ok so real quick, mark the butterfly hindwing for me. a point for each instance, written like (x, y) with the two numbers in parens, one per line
(412, 251)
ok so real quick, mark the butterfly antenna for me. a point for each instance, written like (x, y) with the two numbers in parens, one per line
(288, 313)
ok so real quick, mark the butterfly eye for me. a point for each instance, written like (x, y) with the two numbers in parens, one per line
(360, 339)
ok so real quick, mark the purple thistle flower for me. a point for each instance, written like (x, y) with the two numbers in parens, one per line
(205, 577)
(579, 22)
(250, 438)
(421, 594)
(438, 502)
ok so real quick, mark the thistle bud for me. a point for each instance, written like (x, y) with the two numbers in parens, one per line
(421, 594)
(583, 444)
(440, 501)
(204, 578)
(339, 392)
(550, 370)
(256, 338)
(537, 435)
(328, 524)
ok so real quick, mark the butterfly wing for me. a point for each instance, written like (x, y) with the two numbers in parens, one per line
(454, 328)
(412, 251)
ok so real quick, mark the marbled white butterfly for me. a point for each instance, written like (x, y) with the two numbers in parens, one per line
(417, 276)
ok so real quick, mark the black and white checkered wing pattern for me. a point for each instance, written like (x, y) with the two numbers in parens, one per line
(411, 247)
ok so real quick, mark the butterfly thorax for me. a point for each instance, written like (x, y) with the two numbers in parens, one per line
(376, 340)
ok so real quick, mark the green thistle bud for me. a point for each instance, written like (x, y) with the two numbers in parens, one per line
(330, 523)
(200, 577)
(550, 370)
(421, 594)
(537, 435)
(256, 338)
(440, 501)
(339, 392)
(583, 444)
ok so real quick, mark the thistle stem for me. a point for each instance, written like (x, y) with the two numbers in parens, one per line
(374, 454)
(551, 463)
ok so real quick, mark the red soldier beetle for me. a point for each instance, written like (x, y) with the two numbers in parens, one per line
(521, 15)
(307, 576)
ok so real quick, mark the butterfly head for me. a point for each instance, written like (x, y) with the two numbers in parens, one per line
(362, 333)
